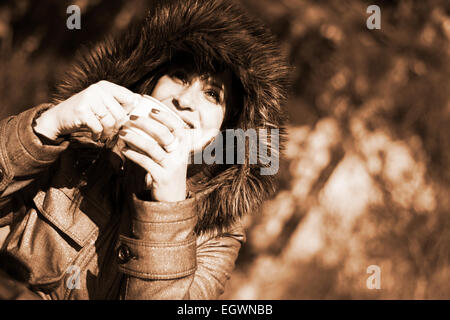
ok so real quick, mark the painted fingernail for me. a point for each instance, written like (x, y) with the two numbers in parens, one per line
(133, 117)
(155, 111)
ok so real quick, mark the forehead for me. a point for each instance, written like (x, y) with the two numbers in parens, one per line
(221, 78)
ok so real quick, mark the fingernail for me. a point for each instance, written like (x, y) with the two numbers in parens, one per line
(155, 111)
(133, 117)
(122, 133)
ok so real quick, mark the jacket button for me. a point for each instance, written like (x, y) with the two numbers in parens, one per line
(123, 254)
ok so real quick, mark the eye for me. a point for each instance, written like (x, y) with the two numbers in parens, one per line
(180, 76)
(213, 94)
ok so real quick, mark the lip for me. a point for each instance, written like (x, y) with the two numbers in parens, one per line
(184, 118)
(187, 121)
(174, 111)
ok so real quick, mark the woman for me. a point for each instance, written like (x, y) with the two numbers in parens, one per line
(97, 210)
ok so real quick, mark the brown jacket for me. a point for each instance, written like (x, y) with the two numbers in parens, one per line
(187, 249)
(92, 253)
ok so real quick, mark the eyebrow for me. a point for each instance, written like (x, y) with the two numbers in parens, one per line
(211, 81)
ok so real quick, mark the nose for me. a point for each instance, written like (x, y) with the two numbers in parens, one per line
(185, 98)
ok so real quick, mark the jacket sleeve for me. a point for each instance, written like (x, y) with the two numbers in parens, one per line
(162, 258)
(22, 157)
(22, 153)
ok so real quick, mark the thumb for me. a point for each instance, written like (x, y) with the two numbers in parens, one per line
(148, 181)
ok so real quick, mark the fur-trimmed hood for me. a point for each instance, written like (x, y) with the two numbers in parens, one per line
(210, 29)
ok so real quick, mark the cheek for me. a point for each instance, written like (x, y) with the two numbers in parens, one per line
(220, 117)
(212, 116)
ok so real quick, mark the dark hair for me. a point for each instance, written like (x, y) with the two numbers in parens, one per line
(234, 104)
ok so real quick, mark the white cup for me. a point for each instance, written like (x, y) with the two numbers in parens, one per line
(143, 109)
(198, 137)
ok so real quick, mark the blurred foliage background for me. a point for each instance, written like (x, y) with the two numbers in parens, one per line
(365, 179)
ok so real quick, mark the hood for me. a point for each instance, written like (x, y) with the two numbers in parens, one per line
(217, 30)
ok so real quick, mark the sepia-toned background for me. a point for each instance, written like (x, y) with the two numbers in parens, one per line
(365, 179)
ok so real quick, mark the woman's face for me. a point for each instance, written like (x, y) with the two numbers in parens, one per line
(198, 99)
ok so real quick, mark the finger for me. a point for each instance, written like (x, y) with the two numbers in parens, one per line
(94, 125)
(153, 128)
(117, 111)
(148, 180)
(123, 95)
(145, 162)
(167, 119)
(173, 145)
(104, 116)
(146, 145)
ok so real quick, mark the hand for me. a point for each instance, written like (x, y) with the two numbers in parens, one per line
(163, 152)
(97, 108)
